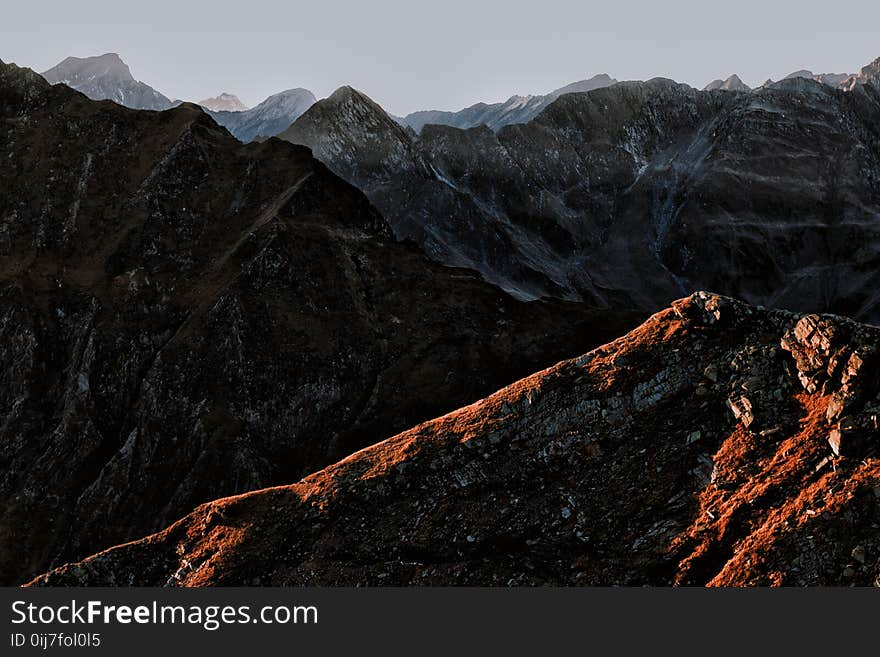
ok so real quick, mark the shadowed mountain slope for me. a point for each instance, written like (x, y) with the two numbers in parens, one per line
(184, 317)
(636, 194)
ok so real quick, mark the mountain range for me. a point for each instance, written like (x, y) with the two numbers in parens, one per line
(269, 118)
(207, 338)
(209, 317)
(835, 80)
(516, 109)
(107, 77)
(635, 194)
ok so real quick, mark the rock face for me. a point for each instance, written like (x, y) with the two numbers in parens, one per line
(868, 76)
(224, 103)
(516, 109)
(692, 451)
(639, 193)
(184, 317)
(273, 115)
(107, 77)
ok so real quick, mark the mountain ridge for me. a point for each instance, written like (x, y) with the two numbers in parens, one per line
(516, 109)
(596, 471)
(622, 195)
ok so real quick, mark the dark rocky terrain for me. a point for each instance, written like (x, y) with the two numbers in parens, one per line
(638, 193)
(185, 317)
(516, 109)
(107, 77)
(718, 444)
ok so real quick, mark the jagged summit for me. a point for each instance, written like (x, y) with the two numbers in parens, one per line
(107, 77)
(803, 73)
(869, 74)
(345, 93)
(717, 444)
(351, 132)
(349, 96)
(225, 102)
(835, 80)
(583, 86)
(75, 69)
(19, 85)
(733, 83)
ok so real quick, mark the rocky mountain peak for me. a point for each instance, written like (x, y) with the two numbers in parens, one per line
(596, 82)
(732, 83)
(835, 80)
(830, 79)
(289, 97)
(107, 77)
(349, 119)
(18, 86)
(870, 74)
(348, 95)
(80, 70)
(803, 73)
(225, 102)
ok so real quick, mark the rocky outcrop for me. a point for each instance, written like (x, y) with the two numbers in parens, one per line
(639, 193)
(107, 77)
(710, 446)
(184, 317)
(868, 76)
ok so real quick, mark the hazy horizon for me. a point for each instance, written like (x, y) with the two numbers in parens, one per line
(420, 55)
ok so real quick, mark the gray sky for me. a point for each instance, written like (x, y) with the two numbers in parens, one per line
(442, 54)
